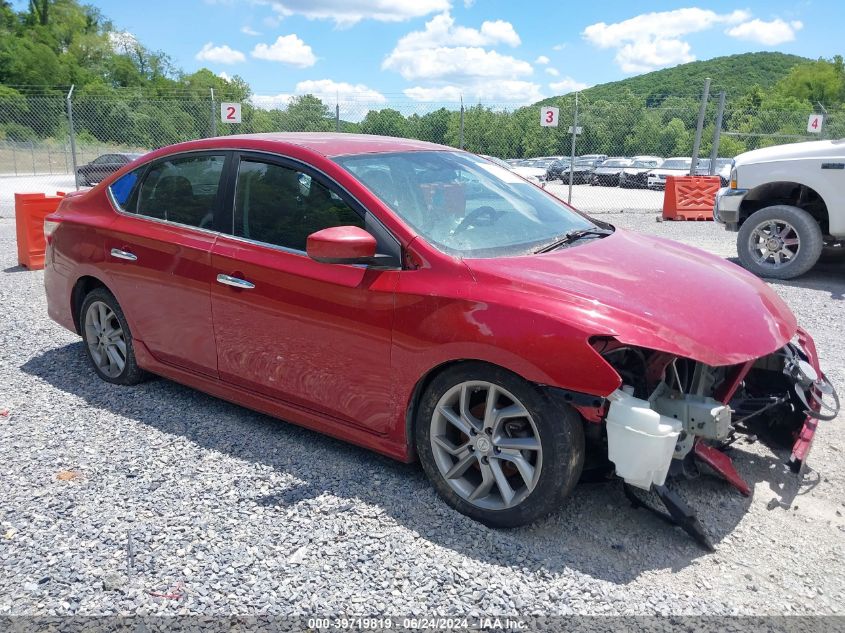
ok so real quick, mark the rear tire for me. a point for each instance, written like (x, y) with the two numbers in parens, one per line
(504, 461)
(108, 341)
(779, 242)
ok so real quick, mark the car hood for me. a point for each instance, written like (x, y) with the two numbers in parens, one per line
(609, 170)
(792, 151)
(652, 293)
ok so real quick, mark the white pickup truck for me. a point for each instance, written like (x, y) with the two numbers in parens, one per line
(788, 204)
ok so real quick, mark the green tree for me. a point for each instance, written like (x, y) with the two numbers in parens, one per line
(387, 122)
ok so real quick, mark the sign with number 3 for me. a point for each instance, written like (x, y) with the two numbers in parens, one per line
(549, 116)
(230, 112)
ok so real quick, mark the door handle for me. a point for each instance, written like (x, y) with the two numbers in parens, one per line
(119, 254)
(227, 280)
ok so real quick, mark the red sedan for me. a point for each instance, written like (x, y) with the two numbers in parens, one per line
(428, 304)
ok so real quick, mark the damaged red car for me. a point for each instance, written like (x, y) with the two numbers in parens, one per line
(428, 304)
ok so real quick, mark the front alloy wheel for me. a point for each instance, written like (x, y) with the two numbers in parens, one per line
(497, 448)
(486, 445)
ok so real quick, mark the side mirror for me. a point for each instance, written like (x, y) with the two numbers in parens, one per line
(341, 245)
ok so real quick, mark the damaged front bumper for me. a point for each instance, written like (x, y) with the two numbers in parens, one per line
(672, 414)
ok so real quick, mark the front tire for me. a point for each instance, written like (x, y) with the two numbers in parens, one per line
(779, 242)
(497, 448)
(108, 341)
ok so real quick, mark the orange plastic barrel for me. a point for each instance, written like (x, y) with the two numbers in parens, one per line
(30, 211)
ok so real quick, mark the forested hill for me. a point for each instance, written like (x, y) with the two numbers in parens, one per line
(734, 74)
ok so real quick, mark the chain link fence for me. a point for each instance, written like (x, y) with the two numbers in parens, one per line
(47, 139)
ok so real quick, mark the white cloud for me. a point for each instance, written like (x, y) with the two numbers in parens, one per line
(559, 47)
(441, 30)
(248, 30)
(554, 72)
(288, 49)
(327, 90)
(769, 33)
(122, 41)
(653, 40)
(219, 54)
(503, 91)
(339, 89)
(542, 59)
(444, 51)
(567, 84)
(348, 12)
(271, 102)
(468, 4)
(224, 76)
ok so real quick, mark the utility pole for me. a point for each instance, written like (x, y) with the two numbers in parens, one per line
(698, 128)
(572, 152)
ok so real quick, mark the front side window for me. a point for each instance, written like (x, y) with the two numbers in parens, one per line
(463, 204)
(282, 206)
(182, 190)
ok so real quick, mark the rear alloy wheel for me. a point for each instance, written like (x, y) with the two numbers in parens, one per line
(496, 448)
(108, 340)
(780, 242)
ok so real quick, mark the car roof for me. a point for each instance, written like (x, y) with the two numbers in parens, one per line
(325, 143)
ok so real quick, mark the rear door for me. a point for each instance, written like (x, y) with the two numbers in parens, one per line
(315, 335)
(158, 255)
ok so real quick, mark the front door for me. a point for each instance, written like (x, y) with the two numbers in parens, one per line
(315, 335)
(158, 255)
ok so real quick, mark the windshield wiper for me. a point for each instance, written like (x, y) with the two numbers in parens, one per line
(572, 236)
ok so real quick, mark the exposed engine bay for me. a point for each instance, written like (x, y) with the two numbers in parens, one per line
(672, 414)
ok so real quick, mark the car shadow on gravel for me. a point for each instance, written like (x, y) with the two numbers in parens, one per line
(596, 532)
(825, 276)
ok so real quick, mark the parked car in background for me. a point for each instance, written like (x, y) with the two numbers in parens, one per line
(786, 202)
(607, 173)
(422, 302)
(722, 170)
(675, 166)
(102, 166)
(557, 168)
(636, 174)
(582, 170)
(536, 175)
(599, 158)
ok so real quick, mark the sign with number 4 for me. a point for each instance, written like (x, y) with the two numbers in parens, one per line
(549, 116)
(814, 123)
(230, 112)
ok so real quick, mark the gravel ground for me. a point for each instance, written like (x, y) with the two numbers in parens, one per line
(160, 500)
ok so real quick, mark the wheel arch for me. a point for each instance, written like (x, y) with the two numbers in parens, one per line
(786, 192)
(83, 286)
(411, 406)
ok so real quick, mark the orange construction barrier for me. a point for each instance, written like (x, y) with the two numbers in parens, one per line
(30, 211)
(690, 197)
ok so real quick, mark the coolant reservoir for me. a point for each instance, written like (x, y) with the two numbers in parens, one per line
(640, 441)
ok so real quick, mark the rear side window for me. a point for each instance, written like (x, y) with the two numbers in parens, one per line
(182, 190)
(122, 188)
(282, 206)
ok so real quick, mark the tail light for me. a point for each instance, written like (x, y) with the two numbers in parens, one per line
(50, 227)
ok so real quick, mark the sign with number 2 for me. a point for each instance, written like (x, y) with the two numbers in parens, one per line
(230, 112)
(549, 116)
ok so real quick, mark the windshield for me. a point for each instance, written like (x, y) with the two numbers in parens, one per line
(681, 163)
(582, 162)
(619, 162)
(463, 204)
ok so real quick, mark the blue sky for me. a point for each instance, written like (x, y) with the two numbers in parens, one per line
(438, 50)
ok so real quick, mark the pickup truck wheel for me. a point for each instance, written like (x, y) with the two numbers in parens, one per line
(497, 448)
(780, 242)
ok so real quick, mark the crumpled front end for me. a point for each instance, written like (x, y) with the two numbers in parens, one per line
(673, 414)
